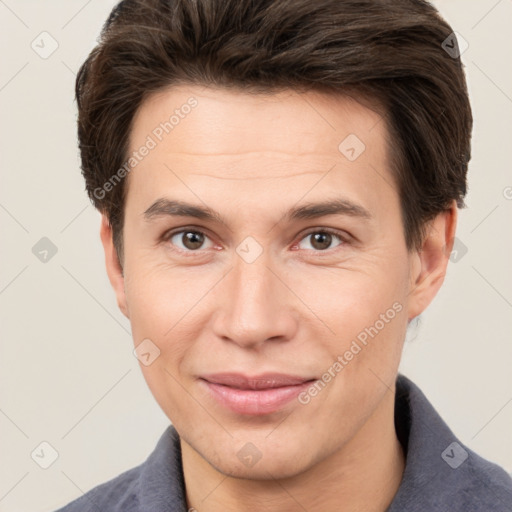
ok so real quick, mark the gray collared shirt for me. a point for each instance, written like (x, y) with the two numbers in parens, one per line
(441, 474)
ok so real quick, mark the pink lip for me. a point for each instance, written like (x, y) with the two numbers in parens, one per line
(258, 395)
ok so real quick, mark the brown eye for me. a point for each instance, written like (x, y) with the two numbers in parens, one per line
(322, 240)
(187, 240)
(192, 239)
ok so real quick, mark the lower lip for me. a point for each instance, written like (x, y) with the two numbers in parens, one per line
(255, 402)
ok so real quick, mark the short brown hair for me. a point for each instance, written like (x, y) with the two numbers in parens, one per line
(388, 50)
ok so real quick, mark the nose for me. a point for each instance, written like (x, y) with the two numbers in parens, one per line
(255, 305)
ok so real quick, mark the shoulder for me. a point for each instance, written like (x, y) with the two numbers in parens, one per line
(486, 485)
(156, 484)
(441, 472)
(115, 495)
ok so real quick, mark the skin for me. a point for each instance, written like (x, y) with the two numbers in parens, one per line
(293, 310)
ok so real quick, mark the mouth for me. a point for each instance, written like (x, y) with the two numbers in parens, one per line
(254, 395)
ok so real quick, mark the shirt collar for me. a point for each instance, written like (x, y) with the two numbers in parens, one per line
(441, 473)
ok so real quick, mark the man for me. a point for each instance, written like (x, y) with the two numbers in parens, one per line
(279, 183)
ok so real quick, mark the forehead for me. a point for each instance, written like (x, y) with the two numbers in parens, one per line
(258, 144)
(281, 121)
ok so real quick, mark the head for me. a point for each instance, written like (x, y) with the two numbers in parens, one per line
(210, 131)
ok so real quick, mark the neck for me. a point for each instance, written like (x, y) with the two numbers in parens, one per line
(365, 475)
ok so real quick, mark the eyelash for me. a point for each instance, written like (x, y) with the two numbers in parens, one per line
(344, 239)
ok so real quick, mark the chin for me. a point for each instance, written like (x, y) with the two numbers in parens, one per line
(263, 470)
(271, 462)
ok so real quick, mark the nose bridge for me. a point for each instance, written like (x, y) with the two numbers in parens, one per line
(254, 305)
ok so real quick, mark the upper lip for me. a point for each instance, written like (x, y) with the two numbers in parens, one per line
(262, 381)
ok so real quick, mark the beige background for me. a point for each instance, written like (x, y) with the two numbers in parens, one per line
(68, 376)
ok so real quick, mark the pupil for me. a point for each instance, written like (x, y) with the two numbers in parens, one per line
(324, 240)
(192, 240)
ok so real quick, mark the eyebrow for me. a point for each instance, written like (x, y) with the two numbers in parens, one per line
(167, 207)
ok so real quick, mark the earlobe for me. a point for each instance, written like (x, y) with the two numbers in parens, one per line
(429, 265)
(113, 266)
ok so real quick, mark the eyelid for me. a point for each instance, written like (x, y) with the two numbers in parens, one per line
(342, 235)
(167, 235)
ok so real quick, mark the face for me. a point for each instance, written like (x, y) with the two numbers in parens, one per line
(268, 283)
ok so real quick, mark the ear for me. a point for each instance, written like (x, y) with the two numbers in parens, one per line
(429, 265)
(114, 269)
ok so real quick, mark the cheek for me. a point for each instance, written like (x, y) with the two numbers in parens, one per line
(346, 300)
(160, 296)
(160, 302)
(169, 306)
(338, 303)
(360, 321)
